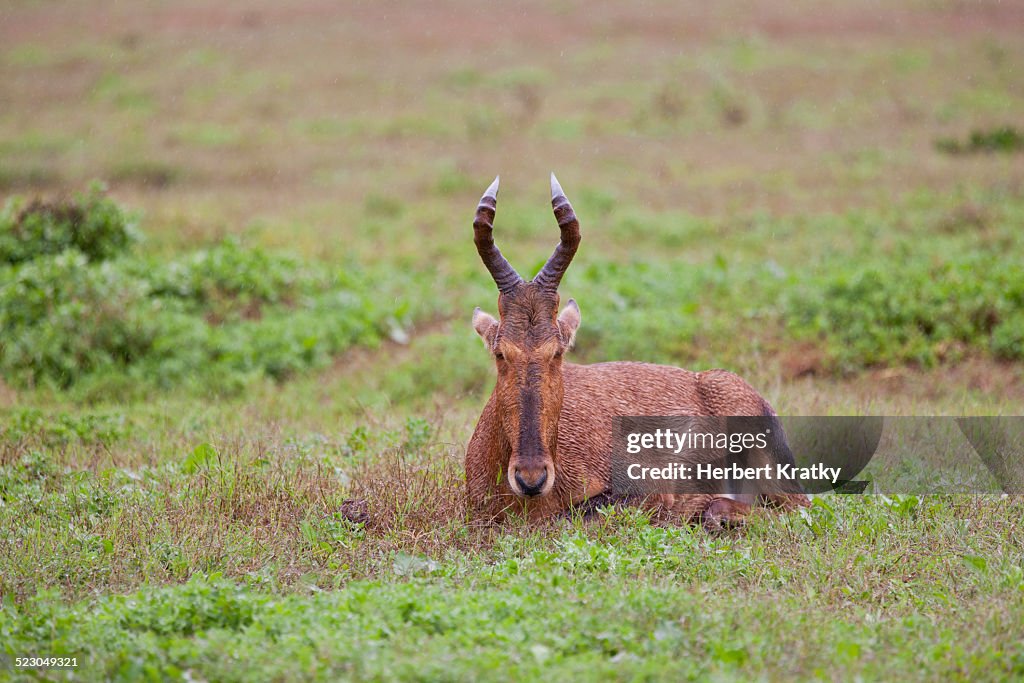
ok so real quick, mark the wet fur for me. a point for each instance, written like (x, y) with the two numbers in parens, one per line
(593, 395)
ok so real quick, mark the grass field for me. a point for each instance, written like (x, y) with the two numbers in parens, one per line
(233, 415)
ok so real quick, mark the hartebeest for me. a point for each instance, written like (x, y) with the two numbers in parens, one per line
(543, 442)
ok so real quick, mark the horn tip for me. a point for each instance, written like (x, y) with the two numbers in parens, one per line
(492, 190)
(556, 189)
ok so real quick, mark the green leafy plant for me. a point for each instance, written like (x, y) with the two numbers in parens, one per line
(920, 313)
(1005, 139)
(91, 223)
(75, 305)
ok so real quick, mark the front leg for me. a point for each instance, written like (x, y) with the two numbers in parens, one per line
(724, 513)
(715, 512)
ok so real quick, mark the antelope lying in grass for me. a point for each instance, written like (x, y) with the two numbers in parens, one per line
(543, 442)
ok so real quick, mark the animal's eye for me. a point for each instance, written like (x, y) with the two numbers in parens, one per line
(558, 354)
(499, 356)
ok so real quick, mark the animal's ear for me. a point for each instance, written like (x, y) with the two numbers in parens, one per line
(569, 322)
(486, 326)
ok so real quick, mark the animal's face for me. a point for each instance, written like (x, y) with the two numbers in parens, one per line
(527, 344)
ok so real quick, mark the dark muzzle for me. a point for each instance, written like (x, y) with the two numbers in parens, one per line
(531, 480)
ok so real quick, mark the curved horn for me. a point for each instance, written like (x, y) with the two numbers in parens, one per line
(505, 276)
(551, 274)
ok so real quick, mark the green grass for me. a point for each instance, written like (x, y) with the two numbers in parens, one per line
(768, 602)
(235, 391)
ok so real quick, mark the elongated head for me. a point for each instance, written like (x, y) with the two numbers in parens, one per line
(527, 341)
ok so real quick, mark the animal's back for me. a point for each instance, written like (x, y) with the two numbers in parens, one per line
(632, 388)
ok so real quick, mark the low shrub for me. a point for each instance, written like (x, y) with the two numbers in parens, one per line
(91, 224)
(75, 304)
(64, 317)
(919, 313)
(1005, 139)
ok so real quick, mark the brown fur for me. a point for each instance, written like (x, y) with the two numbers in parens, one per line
(549, 421)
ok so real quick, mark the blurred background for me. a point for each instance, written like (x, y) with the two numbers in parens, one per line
(810, 192)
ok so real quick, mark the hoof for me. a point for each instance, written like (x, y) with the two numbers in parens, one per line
(723, 513)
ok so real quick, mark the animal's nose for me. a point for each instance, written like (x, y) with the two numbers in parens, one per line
(531, 480)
